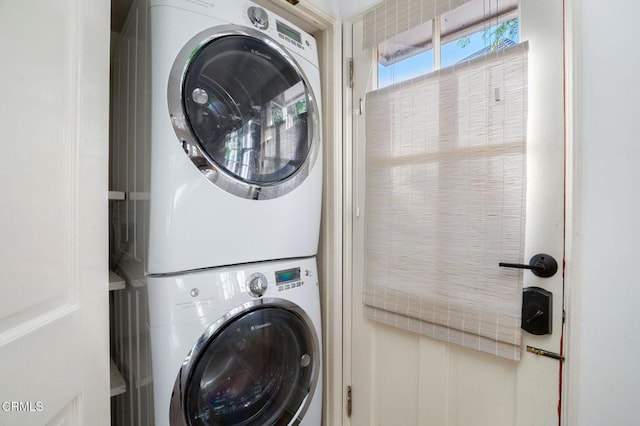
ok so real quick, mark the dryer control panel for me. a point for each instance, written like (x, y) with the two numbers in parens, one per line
(286, 33)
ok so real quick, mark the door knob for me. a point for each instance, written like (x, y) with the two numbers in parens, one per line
(542, 265)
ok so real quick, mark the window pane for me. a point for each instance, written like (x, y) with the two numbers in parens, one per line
(406, 56)
(405, 69)
(478, 27)
(480, 42)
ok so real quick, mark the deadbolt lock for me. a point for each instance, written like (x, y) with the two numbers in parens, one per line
(537, 314)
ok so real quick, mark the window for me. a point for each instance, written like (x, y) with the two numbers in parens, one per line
(406, 56)
(477, 27)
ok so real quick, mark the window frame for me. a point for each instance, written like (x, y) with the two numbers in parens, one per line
(437, 39)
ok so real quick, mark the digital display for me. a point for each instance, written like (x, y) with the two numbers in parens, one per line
(289, 32)
(287, 275)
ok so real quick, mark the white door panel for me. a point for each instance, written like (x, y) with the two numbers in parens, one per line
(54, 352)
(400, 378)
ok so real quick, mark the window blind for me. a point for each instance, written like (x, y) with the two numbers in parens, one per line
(445, 202)
(392, 17)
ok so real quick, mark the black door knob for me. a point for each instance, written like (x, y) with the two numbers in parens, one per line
(542, 265)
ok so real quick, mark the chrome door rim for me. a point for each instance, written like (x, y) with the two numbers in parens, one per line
(176, 406)
(209, 168)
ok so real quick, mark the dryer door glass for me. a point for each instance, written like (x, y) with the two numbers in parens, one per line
(257, 370)
(248, 108)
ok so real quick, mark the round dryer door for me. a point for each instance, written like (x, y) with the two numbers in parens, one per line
(259, 368)
(246, 113)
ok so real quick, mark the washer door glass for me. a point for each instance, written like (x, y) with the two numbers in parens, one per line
(257, 370)
(248, 109)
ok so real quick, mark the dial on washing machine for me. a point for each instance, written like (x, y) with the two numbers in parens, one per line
(257, 284)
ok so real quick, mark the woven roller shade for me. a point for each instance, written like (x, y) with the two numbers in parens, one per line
(445, 202)
(392, 17)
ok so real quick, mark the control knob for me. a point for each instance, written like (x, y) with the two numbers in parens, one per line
(257, 284)
(258, 17)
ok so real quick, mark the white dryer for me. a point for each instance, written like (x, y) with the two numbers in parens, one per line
(236, 156)
(237, 345)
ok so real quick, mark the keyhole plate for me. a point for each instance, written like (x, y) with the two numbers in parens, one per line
(537, 311)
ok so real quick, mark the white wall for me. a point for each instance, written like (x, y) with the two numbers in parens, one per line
(608, 211)
(350, 8)
(332, 6)
(345, 8)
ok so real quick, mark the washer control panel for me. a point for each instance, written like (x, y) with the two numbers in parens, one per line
(289, 278)
(285, 279)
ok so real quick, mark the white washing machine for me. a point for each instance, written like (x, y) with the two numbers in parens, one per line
(237, 345)
(236, 156)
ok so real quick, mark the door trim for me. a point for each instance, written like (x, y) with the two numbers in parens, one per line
(347, 236)
(570, 377)
(328, 30)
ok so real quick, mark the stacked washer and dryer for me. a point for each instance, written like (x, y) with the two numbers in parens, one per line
(230, 224)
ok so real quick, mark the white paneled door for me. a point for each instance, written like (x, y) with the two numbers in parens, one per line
(401, 378)
(54, 114)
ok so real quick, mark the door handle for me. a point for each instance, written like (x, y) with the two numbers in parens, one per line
(542, 265)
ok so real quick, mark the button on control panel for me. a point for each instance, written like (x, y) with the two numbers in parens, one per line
(295, 43)
(290, 285)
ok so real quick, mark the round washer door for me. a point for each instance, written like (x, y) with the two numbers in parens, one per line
(244, 112)
(259, 368)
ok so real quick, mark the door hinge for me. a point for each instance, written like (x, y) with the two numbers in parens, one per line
(350, 72)
(349, 403)
(538, 351)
